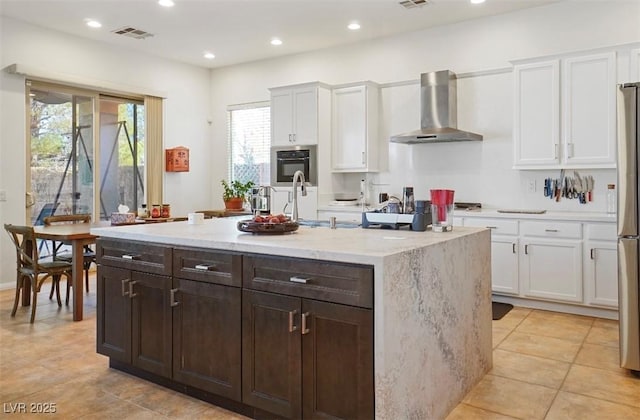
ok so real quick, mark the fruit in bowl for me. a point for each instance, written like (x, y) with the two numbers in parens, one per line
(271, 218)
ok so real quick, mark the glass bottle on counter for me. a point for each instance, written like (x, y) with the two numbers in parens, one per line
(611, 199)
(143, 212)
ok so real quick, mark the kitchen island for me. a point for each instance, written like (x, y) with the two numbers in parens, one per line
(428, 295)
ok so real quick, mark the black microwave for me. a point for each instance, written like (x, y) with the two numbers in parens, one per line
(285, 161)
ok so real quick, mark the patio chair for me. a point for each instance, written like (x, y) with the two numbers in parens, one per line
(89, 256)
(28, 266)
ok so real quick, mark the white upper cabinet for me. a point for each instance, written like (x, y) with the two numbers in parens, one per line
(565, 113)
(295, 114)
(537, 114)
(355, 128)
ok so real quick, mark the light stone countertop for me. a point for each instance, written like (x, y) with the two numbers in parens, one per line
(548, 215)
(355, 245)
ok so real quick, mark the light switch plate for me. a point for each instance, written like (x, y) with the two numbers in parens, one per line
(3, 195)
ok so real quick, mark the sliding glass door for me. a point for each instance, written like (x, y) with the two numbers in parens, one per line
(86, 152)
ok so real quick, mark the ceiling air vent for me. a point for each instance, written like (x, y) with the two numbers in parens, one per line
(410, 4)
(132, 32)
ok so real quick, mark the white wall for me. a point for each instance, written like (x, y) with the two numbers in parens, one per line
(186, 111)
(477, 171)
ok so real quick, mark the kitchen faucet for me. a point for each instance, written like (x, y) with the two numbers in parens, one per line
(298, 177)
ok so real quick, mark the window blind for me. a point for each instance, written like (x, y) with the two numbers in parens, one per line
(249, 128)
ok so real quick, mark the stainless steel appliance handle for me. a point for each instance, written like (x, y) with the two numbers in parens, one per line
(628, 303)
(627, 161)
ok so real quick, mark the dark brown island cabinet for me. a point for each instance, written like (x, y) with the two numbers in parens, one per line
(268, 337)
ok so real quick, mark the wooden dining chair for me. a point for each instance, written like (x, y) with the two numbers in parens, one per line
(88, 256)
(28, 266)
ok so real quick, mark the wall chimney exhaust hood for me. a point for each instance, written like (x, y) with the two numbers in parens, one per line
(438, 103)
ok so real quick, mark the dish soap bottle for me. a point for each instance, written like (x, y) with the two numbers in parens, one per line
(611, 198)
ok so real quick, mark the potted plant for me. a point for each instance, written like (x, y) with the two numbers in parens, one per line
(235, 194)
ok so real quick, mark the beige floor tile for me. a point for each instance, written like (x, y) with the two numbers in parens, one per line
(511, 397)
(530, 369)
(498, 334)
(604, 332)
(537, 345)
(216, 413)
(467, 412)
(567, 327)
(603, 384)
(170, 403)
(512, 318)
(573, 406)
(123, 411)
(597, 356)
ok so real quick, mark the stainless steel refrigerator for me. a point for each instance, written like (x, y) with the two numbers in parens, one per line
(628, 234)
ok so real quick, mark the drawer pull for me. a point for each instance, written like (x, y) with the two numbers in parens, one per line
(172, 297)
(131, 294)
(131, 257)
(205, 267)
(304, 329)
(513, 248)
(124, 284)
(551, 230)
(292, 327)
(296, 279)
(491, 227)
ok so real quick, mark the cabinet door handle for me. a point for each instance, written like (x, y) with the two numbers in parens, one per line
(131, 294)
(294, 137)
(172, 297)
(289, 138)
(526, 250)
(569, 149)
(556, 146)
(297, 279)
(592, 253)
(551, 230)
(304, 329)
(124, 285)
(364, 160)
(131, 257)
(292, 327)
(513, 247)
(205, 267)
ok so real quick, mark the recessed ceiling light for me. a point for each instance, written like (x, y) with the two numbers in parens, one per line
(476, 1)
(209, 56)
(354, 26)
(92, 23)
(166, 3)
(276, 41)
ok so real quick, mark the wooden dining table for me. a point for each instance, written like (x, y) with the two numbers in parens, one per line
(77, 235)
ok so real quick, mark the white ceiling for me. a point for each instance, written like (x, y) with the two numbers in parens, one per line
(238, 31)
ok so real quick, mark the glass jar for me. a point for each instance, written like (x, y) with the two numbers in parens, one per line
(155, 211)
(611, 199)
(143, 212)
(165, 210)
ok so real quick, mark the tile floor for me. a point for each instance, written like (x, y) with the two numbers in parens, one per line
(546, 366)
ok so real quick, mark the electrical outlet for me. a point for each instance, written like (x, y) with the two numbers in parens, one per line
(531, 186)
(3, 195)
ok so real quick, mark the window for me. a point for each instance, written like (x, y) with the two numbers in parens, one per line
(249, 128)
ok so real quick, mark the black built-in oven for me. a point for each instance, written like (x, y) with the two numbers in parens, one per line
(285, 161)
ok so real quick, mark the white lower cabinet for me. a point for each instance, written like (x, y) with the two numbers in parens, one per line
(504, 252)
(504, 265)
(551, 269)
(555, 261)
(601, 265)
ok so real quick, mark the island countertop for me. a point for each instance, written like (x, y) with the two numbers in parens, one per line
(431, 299)
(353, 245)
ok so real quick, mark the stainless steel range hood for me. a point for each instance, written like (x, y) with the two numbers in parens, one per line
(439, 121)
